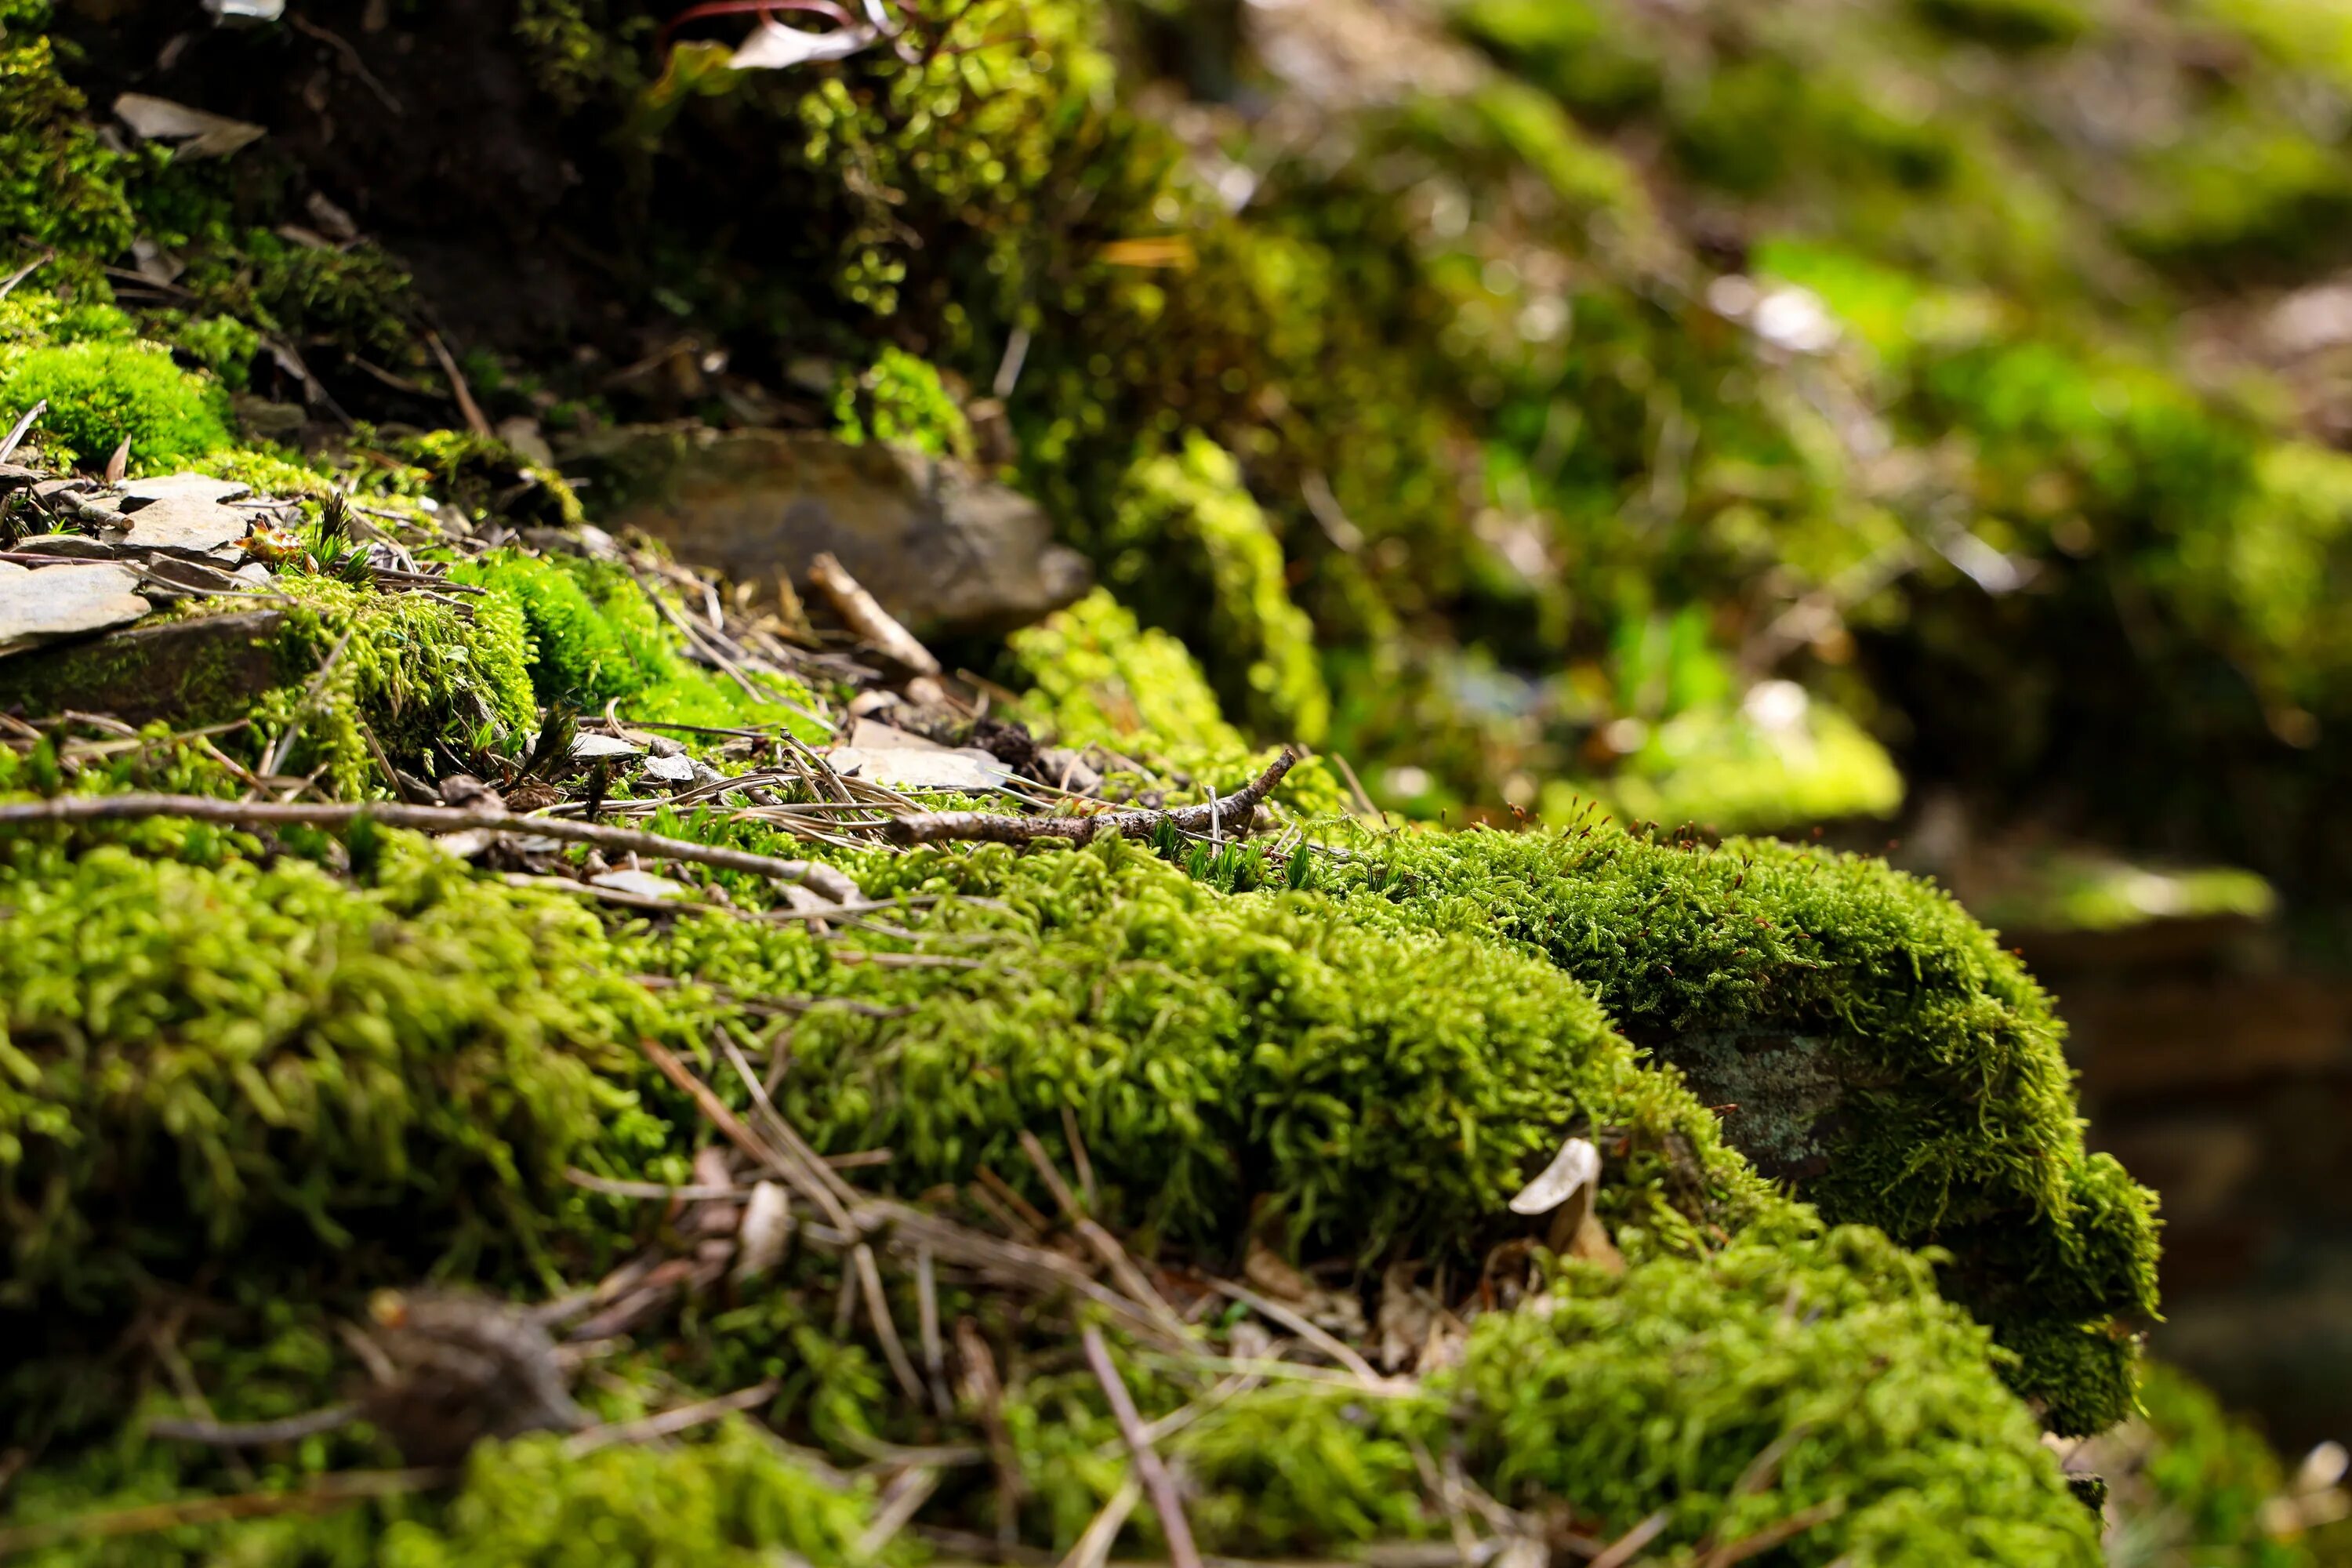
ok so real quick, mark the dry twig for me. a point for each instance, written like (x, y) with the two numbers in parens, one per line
(1229, 814)
(1158, 1484)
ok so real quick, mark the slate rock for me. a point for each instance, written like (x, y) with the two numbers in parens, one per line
(676, 770)
(199, 670)
(943, 548)
(597, 748)
(66, 547)
(138, 494)
(183, 525)
(65, 601)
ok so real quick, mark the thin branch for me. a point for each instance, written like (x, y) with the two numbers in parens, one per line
(1626, 1547)
(1105, 1246)
(458, 389)
(1158, 1484)
(1230, 815)
(1303, 1327)
(877, 1307)
(664, 1423)
(1772, 1535)
(864, 616)
(16, 432)
(823, 878)
(256, 1434)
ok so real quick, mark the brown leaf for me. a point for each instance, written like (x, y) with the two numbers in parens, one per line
(120, 464)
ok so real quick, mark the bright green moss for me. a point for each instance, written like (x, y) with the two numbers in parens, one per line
(61, 187)
(899, 398)
(1095, 678)
(101, 393)
(1378, 1086)
(1188, 512)
(200, 1056)
(594, 636)
(1866, 1036)
(1801, 762)
(2084, 892)
(733, 1502)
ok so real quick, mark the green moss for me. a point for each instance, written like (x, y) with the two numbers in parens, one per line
(1881, 1035)
(2009, 24)
(1185, 519)
(733, 1501)
(1095, 678)
(61, 187)
(2094, 893)
(206, 1056)
(595, 637)
(899, 398)
(1780, 762)
(101, 393)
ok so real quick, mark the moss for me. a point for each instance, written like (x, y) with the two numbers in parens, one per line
(1095, 678)
(1185, 516)
(595, 638)
(1953, 1119)
(61, 187)
(2061, 892)
(899, 398)
(1778, 761)
(101, 393)
(2009, 24)
(203, 1051)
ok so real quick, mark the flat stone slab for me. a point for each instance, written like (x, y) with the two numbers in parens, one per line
(183, 525)
(200, 670)
(600, 748)
(65, 601)
(66, 547)
(940, 546)
(139, 493)
(909, 767)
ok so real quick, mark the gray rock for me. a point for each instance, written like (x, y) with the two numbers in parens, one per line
(596, 748)
(66, 547)
(198, 670)
(65, 601)
(941, 547)
(642, 884)
(911, 767)
(138, 493)
(670, 769)
(183, 525)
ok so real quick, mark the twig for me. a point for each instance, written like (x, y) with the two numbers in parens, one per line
(1321, 1338)
(458, 389)
(8, 284)
(1355, 786)
(927, 1318)
(1105, 1246)
(877, 1307)
(17, 431)
(901, 1499)
(664, 1422)
(1230, 815)
(274, 760)
(426, 819)
(864, 616)
(1092, 1549)
(256, 1434)
(352, 59)
(1627, 1546)
(1158, 1484)
(1772, 1535)
(328, 1492)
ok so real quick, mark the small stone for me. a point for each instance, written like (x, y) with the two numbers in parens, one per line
(66, 547)
(642, 884)
(670, 769)
(253, 573)
(184, 526)
(598, 748)
(663, 746)
(62, 601)
(911, 768)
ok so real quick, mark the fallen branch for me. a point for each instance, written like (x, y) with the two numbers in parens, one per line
(863, 614)
(823, 878)
(1149, 1469)
(256, 1434)
(323, 1495)
(666, 1423)
(1629, 1545)
(1228, 815)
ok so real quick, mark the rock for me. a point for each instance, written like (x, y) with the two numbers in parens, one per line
(65, 601)
(941, 547)
(670, 769)
(183, 525)
(597, 748)
(642, 884)
(201, 670)
(138, 493)
(66, 547)
(935, 767)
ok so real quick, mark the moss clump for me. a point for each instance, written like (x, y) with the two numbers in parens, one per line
(61, 187)
(595, 637)
(735, 1501)
(1868, 1037)
(101, 393)
(202, 1051)
(900, 399)
(1779, 760)
(1187, 514)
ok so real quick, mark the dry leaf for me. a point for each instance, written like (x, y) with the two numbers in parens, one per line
(775, 46)
(198, 132)
(120, 464)
(1576, 1165)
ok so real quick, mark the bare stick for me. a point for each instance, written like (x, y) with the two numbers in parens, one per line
(426, 819)
(256, 1434)
(1105, 1246)
(458, 389)
(1230, 815)
(663, 1423)
(8, 284)
(863, 614)
(326, 1493)
(1626, 1547)
(1093, 1548)
(17, 431)
(1306, 1330)
(1158, 1484)
(877, 1307)
(1772, 1535)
